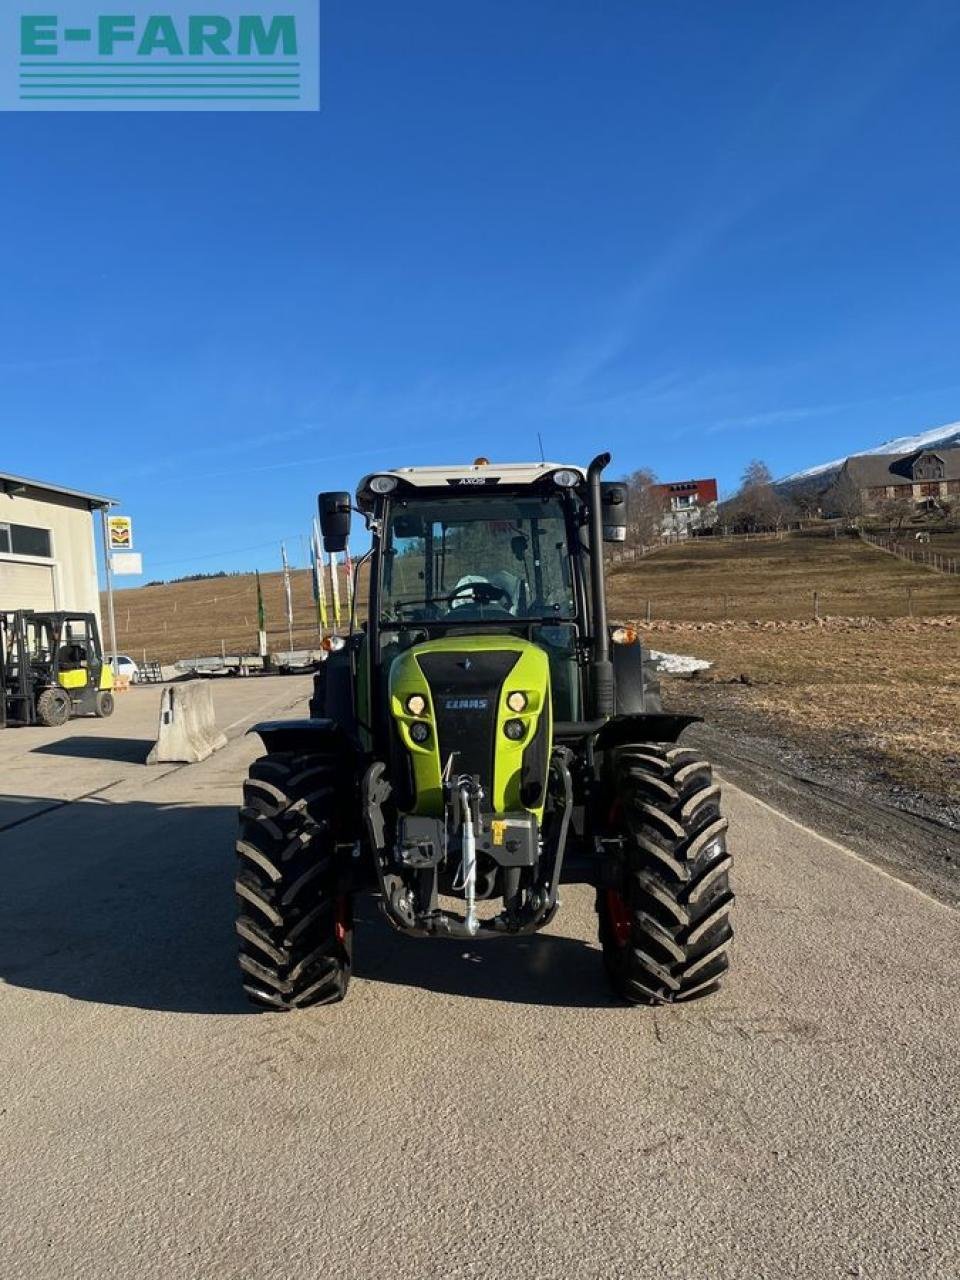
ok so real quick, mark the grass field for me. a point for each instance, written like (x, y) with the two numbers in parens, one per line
(887, 693)
(886, 689)
(192, 619)
(706, 580)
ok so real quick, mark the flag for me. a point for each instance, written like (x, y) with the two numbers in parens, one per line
(261, 621)
(348, 573)
(319, 588)
(261, 612)
(335, 590)
(287, 592)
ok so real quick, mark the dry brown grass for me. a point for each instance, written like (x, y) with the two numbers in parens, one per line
(190, 619)
(703, 579)
(889, 690)
(893, 687)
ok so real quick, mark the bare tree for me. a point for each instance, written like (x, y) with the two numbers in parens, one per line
(756, 505)
(896, 511)
(843, 498)
(646, 508)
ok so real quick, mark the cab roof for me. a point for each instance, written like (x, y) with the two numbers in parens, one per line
(480, 474)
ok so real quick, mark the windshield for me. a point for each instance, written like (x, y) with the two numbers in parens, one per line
(484, 559)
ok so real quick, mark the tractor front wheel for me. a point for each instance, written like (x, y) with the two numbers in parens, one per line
(104, 705)
(53, 707)
(665, 901)
(294, 919)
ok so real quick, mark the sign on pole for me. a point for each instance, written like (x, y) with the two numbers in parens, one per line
(126, 562)
(120, 533)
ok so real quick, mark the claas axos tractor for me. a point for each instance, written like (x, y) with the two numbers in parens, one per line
(484, 736)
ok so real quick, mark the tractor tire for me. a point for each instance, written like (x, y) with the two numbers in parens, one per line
(104, 705)
(294, 920)
(53, 707)
(665, 929)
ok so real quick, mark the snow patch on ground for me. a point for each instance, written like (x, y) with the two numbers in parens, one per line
(677, 664)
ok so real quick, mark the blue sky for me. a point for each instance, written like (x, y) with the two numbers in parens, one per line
(690, 233)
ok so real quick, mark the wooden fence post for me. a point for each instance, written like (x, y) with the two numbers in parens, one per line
(816, 604)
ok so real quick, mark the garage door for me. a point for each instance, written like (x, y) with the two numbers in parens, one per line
(26, 586)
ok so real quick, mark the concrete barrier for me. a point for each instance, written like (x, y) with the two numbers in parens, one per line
(188, 731)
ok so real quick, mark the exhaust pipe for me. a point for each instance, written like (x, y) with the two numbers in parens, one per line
(601, 668)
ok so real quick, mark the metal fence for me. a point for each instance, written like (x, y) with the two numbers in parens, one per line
(921, 553)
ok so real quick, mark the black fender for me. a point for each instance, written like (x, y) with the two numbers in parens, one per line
(303, 735)
(643, 727)
(635, 680)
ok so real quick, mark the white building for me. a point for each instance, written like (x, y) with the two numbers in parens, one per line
(48, 557)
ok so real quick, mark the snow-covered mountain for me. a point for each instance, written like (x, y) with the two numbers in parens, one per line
(944, 437)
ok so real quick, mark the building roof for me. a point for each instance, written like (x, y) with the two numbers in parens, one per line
(871, 471)
(16, 484)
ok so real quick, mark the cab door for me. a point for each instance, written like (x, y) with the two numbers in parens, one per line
(79, 661)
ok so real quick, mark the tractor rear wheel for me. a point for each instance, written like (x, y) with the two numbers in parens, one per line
(104, 704)
(53, 707)
(294, 919)
(665, 907)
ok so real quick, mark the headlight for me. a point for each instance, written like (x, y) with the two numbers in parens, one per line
(419, 732)
(514, 729)
(517, 701)
(624, 635)
(566, 478)
(416, 704)
(332, 644)
(383, 484)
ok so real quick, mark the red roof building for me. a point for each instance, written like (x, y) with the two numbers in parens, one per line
(681, 495)
(688, 505)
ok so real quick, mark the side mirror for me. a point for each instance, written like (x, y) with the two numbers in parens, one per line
(614, 498)
(335, 517)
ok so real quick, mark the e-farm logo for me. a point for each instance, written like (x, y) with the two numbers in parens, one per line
(175, 56)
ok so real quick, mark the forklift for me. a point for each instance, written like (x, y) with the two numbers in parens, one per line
(52, 668)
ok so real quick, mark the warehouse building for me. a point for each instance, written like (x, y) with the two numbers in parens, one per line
(48, 557)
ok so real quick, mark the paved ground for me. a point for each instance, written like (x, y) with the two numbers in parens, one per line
(469, 1111)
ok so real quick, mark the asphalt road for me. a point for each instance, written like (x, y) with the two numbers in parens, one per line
(469, 1111)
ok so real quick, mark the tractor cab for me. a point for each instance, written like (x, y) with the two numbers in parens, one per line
(52, 667)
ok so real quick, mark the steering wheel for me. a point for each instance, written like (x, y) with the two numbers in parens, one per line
(480, 593)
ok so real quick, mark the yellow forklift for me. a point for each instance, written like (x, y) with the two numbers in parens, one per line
(53, 668)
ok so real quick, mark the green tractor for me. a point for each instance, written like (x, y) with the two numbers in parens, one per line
(484, 736)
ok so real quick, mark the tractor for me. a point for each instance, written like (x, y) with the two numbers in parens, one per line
(482, 737)
(52, 668)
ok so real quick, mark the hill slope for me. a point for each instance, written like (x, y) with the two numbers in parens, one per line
(945, 437)
(697, 580)
(190, 619)
(706, 579)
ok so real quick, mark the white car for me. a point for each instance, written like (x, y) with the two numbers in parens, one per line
(123, 666)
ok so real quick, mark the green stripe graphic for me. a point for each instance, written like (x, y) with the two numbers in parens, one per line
(165, 62)
(96, 76)
(160, 97)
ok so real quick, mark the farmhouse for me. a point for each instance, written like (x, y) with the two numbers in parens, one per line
(926, 475)
(687, 505)
(48, 556)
